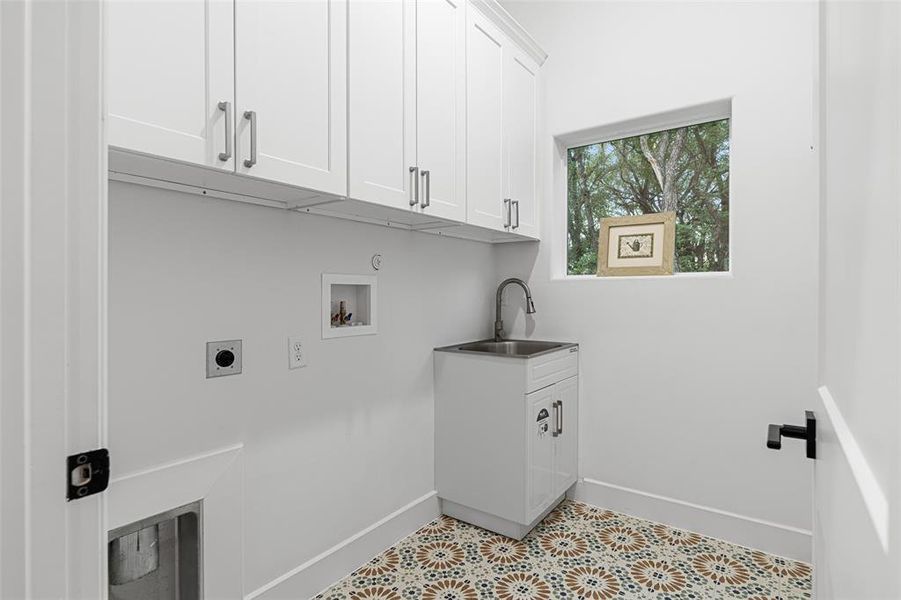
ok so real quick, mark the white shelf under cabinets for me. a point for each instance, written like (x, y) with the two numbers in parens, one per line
(155, 171)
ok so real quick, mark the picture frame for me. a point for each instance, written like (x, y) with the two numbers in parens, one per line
(637, 245)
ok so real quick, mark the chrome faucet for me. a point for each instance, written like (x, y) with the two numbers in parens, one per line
(530, 306)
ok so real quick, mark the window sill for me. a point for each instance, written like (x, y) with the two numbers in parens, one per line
(677, 276)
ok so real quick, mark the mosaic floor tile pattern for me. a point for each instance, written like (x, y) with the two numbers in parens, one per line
(578, 551)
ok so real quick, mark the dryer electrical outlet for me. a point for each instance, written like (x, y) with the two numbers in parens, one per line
(296, 356)
(223, 358)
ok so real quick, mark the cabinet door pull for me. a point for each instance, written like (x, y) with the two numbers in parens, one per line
(516, 204)
(560, 416)
(226, 107)
(556, 406)
(427, 196)
(508, 216)
(414, 193)
(251, 115)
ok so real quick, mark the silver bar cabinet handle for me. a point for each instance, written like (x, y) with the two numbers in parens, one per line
(427, 196)
(251, 115)
(226, 107)
(556, 430)
(516, 204)
(414, 193)
(560, 408)
(507, 214)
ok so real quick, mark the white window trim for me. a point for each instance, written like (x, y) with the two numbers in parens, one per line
(682, 117)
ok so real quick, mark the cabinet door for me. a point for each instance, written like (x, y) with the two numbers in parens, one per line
(169, 65)
(291, 70)
(484, 123)
(540, 477)
(441, 106)
(566, 395)
(382, 101)
(520, 128)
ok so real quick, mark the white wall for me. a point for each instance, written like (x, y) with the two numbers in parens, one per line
(857, 479)
(329, 449)
(334, 447)
(682, 375)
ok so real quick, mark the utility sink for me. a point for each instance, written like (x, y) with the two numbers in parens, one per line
(511, 348)
(506, 423)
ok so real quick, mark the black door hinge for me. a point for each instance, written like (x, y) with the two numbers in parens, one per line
(87, 473)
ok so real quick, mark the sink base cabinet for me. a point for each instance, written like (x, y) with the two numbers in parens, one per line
(506, 440)
(506, 527)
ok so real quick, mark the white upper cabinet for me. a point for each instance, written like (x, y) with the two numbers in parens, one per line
(501, 132)
(426, 106)
(407, 104)
(382, 102)
(486, 205)
(290, 92)
(441, 106)
(170, 66)
(520, 140)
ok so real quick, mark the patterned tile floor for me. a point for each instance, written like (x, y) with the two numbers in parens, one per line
(578, 551)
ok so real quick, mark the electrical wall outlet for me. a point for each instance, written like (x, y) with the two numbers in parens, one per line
(296, 355)
(223, 358)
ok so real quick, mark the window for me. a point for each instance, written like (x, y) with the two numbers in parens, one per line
(685, 170)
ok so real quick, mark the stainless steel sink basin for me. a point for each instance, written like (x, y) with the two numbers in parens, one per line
(513, 348)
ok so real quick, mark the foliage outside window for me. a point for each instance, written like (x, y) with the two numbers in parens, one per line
(684, 170)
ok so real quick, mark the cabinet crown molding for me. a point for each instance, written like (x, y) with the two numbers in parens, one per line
(511, 27)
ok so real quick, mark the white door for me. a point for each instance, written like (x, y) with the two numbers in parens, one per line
(291, 71)
(382, 102)
(540, 448)
(566, 394)
(441, 106)
(485, 204)
(52, 296)
(857, 497)
(170, 74)
(520, 114)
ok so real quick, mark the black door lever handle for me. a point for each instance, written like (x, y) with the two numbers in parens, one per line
(774, 437)
(775, 433)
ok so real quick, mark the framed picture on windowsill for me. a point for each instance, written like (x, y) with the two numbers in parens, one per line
(638, 245)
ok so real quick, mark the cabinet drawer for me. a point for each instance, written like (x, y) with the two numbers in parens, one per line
(546, 370)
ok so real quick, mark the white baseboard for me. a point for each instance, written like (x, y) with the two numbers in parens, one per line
(318, 573)
(783, 540)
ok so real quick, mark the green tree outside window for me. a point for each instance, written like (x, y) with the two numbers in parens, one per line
(684, 170)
